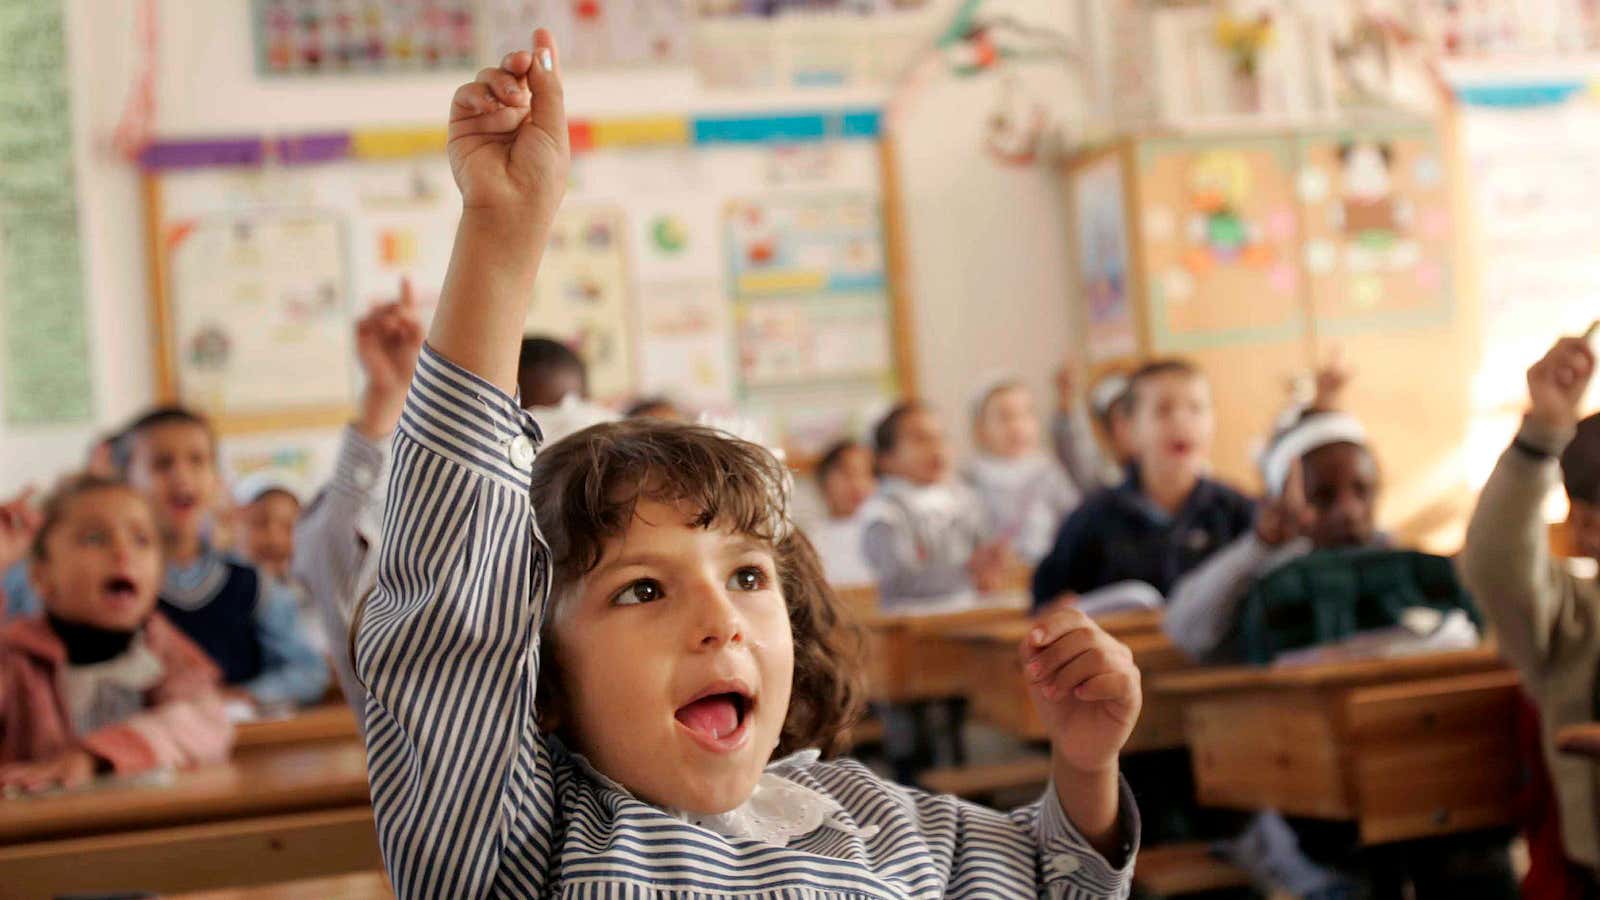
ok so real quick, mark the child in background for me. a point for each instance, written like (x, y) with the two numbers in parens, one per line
(247, 623)
(844, 475)
(101, 682)
(657, 407)
(632, 645)
(1322, 483)
(19, 521)
(1025, 493)
(1091, 467)
(548, 372)
(268, 508)
(334, 538)
(1167, 517)
(925, 535)
(1546, 612)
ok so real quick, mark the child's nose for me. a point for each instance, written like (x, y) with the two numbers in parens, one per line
(719, 623)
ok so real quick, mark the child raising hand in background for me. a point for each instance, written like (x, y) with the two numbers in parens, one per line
(583, 663)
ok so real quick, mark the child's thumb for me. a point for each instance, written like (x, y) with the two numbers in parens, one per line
(549, 113)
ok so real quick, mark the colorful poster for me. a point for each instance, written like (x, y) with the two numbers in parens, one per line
(582, 297)
(45, 348)
(594, 34)
(812, 316)
(362, 37)
(1378, 231)
(254, 297)
(1221, 237)
(683, 343)
(803, 44)
(1102, 236)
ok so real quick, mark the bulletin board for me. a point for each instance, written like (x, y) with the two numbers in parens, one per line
(729, 263)
(1220, 238)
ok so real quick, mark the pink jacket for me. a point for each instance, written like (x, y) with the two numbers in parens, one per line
(184, 723)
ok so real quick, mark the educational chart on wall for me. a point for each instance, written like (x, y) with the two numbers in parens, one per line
(1531, 160)
(1377, 229)
(362, 37)
(726, 262)
(810, 302)
(261, 312)
(1221, 237)
(802, 44)
(44, 358)
(1101, 234)
(594, 34)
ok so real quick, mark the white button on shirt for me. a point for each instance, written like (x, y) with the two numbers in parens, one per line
(522, 452)
(1064, 864)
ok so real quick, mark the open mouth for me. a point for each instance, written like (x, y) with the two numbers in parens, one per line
(120, 589)
(717, 716)
(183, 503)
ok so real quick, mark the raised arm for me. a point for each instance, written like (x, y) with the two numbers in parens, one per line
(448, 647)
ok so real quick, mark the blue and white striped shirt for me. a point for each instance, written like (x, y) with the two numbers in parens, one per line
(472, 800)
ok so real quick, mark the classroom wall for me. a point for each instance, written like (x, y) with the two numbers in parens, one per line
(985, 269)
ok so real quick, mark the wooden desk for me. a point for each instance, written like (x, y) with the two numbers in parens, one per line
(273, 814)
(1406, 748)
(329, 722)
(914, 657)
(1580, 740)
(363, 886)
(998, 693)
(269, 782)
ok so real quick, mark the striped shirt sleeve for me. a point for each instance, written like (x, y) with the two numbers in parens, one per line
(447, 644)
(1072, 868)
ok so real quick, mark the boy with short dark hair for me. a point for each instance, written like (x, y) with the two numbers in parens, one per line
(1167, 517)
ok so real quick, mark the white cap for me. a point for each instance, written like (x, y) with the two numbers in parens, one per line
(256, 485)
(1313, 431)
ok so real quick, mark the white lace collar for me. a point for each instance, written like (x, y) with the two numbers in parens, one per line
(777, 811)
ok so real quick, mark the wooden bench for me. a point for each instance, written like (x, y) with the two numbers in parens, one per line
(1175, 870)
(1405, 748)
(985, 780)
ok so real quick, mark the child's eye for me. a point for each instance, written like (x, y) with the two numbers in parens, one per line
(93, 538)
(645, 590)
(748, 578)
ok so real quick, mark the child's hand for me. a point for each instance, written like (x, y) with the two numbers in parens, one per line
(508, 133)
(1283, 518)
(71, 769)
(1084, 685)
(1066, 386)
(388, 341)
(1556, 384)
(1334, 376)
(19, 522)
(988, 566)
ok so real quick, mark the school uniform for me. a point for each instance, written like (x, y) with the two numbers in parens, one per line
(153, 704)
(334, 550)
(1120, 535)
(472, 800)
(1079, 452)
(1024, 500)
(839, 545)
(248, 625)
(919, 539)
(1546, 619)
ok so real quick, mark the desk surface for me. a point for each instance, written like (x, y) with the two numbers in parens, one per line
(1344, 673)
(332, 721)
(363, 886)
(1580, 740)
(267, 781)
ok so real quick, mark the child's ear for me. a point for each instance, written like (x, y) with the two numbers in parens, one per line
(549, 707)
(39, 578)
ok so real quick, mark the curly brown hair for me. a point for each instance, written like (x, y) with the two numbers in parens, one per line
(586, 487)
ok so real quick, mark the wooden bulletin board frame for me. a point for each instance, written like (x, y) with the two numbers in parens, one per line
(587, 136)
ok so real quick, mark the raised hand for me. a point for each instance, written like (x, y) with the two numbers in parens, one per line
(508, 141)
(1557, 382)
(388, 341)
(19, 522)
(1287, 516)
(1085, 686)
